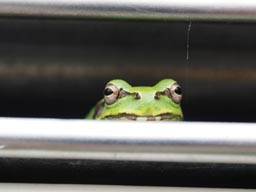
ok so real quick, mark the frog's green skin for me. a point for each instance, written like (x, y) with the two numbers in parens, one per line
(146, 106)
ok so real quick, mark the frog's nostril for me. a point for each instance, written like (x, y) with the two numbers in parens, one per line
(137, 95)
(157, 95)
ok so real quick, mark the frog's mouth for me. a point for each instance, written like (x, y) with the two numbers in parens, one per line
(134, 117)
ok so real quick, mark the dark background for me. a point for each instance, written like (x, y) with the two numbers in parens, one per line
(58, 68)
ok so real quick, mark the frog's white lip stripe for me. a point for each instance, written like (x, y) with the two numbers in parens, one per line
(160, 117)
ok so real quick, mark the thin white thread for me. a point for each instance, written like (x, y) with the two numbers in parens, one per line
(188, 35)
(187, 61)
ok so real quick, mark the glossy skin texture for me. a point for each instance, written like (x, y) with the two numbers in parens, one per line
(125, 102)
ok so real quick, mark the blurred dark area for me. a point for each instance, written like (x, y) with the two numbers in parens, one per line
(127, 173)
(58, 68)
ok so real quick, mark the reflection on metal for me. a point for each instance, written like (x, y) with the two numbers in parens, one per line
(55, 71)
(103, 188)
(126, 140)
(134, 9)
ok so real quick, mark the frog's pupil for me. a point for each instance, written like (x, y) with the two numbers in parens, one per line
(108, 91)
(178, 90)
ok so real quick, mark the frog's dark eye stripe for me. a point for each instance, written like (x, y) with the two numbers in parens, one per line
(174, 92)
(98, 109)
(112, 94)
(123, 93)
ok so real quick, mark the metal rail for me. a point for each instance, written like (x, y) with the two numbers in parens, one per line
(216, 10)
(123, 140)
(103, 188)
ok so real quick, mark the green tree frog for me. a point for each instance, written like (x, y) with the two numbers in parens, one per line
(124, 102)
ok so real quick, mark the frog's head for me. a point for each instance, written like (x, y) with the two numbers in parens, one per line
(159, 102)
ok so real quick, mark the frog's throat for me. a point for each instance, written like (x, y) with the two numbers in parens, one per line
(160, 117)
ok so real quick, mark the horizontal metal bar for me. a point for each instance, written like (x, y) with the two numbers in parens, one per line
(103, 188)
(125, 140)
(217, 10)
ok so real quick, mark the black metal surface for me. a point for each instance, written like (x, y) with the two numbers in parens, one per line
(127, 173)
(58, 68)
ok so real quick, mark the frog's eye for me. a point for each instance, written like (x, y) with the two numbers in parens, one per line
(110, 94)
(176, 93)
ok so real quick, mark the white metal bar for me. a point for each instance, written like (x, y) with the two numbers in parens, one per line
(234, 10)
(126, 140)
(10, 187)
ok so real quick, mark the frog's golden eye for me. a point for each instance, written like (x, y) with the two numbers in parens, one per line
(111, 93)
(176, 93)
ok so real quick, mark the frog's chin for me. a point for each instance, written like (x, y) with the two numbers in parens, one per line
(135, 117)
